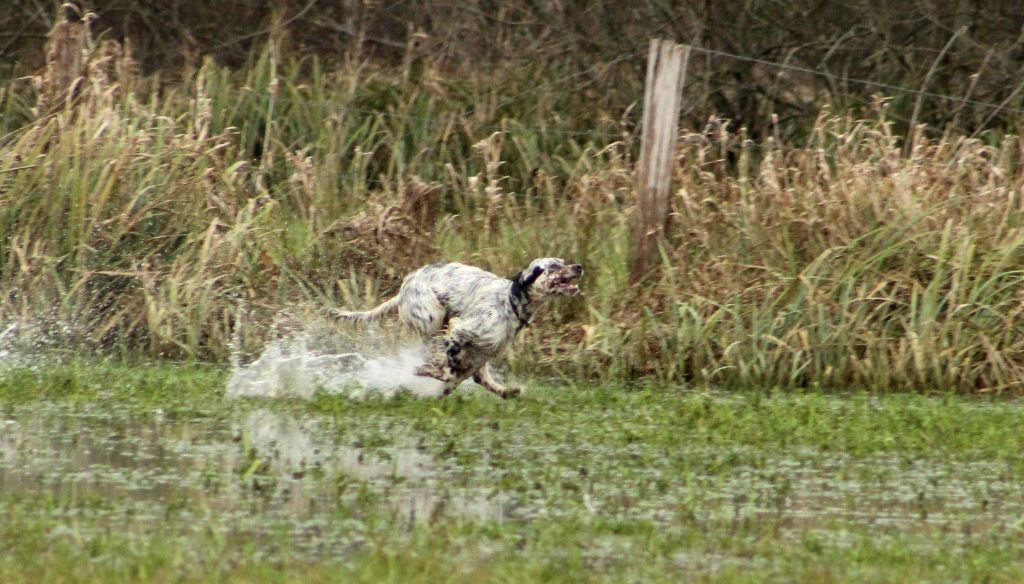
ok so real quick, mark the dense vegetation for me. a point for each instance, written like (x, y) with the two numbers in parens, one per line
(143, 217)
(968, 50)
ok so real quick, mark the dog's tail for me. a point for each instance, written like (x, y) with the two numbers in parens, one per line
(365, 316)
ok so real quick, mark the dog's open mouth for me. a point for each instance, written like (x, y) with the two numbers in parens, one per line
(566, 283)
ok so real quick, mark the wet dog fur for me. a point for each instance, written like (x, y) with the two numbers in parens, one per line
(467, 316)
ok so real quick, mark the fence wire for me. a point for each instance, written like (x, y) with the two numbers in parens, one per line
(862, 82)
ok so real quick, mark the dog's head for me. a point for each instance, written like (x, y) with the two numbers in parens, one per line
(546, 277)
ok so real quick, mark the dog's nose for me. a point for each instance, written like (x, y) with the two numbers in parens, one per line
(577, 268)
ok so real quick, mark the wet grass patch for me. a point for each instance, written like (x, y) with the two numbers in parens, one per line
(117, 473)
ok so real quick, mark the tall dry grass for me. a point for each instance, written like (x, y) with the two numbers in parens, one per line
(140, 220)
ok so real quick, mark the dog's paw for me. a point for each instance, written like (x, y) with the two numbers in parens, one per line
(431, 370)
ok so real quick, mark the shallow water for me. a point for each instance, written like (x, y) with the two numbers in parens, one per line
(266, 469)
(289, 468)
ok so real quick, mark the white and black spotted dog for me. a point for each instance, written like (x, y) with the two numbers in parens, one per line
(479, 312)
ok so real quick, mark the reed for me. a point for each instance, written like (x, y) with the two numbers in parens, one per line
(138, 216)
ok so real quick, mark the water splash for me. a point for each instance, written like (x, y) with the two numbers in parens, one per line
(297, 367)
(33, 343)
(8, 355)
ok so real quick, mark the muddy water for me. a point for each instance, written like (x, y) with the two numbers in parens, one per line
(263, 469)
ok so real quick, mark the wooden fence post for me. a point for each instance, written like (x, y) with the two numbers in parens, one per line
(67, 51)
(666, 70)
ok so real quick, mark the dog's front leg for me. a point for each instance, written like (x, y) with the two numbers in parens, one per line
(483, 377)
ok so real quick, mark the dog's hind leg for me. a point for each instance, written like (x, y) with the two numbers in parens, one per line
(437, 363)
(483, 377)
(420, 310)
(444, 361)
(423, 313)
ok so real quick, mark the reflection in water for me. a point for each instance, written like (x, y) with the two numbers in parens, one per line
(266, 468)
(295, 445)
(289, 466)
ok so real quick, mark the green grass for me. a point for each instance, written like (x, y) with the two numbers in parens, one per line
(584, 483)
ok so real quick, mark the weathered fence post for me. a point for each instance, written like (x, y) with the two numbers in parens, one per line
(666, 70)
(66, 54)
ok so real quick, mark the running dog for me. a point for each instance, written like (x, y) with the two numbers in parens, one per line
(479, 312)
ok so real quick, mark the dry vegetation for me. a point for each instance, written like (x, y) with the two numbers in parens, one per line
(137, 218)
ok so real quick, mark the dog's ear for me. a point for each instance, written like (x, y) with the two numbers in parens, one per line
(522, 282)
(533, 276)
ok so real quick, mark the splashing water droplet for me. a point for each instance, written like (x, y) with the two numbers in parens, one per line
(290, 368)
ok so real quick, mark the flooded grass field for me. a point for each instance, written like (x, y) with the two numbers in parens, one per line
(118, 473)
